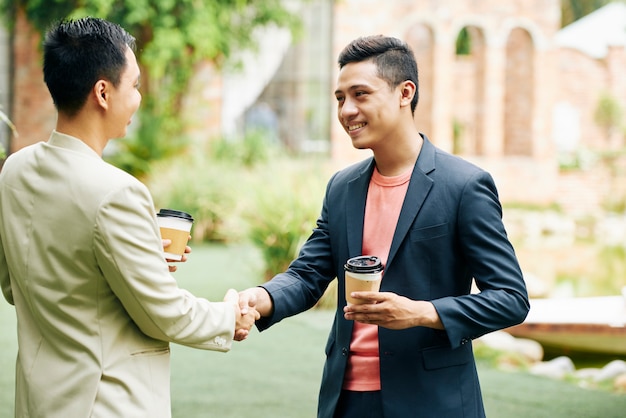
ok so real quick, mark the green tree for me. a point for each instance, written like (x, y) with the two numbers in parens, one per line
(608, 114)
(572, 10)
(173, 36)
(5, 119)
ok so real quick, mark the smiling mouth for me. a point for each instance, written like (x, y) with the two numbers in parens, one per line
(351, 128)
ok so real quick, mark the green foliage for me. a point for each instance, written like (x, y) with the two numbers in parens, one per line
(501, 359)
(605, 277)
(464, 42)
(579, 159)
(219, 185)
(246, 191)
(614, 203)
(572, 10)
(531, 207)
(173, 36)
(253, 149)
(287, 202)
(457, 136)
(4, 118)
(156, 139)
(612, 269)
(608, 113)
(208, 189)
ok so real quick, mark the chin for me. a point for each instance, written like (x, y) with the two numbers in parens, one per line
(359, 144)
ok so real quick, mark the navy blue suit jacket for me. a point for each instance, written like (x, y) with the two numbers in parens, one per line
(449, 232)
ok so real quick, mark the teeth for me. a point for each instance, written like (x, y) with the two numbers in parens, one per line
(353, 127)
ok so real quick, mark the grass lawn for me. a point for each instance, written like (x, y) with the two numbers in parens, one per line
(277, 373)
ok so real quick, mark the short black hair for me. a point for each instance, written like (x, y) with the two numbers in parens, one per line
(78, 53)
(393, 58)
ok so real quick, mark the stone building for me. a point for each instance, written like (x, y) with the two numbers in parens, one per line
(525, 90)
(491, 105)
(524, 95)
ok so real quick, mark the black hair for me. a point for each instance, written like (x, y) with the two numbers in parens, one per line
(393, 58)
(78, 53)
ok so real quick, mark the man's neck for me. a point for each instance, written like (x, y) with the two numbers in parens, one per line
(398, 158)
(86, 132)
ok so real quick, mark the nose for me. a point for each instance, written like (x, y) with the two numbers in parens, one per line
(347, 109)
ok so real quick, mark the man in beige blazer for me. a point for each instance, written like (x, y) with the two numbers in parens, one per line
(81, 256)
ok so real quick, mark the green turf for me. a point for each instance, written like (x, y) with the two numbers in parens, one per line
(276, 373)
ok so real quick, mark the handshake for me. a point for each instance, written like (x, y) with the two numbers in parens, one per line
(249, 305)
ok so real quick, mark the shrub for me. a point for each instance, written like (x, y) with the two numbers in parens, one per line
(149, 144)
(236, 194)
(209, 190)
(214, 184)
(252, 150)
(286, 204)
(5, 119)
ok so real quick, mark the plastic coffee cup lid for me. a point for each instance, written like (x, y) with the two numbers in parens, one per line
(364, 264)
(175, 214)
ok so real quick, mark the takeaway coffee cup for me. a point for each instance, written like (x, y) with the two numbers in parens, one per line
(175, 225)
(363, 273)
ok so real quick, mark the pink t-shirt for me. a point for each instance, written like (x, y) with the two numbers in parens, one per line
(382, 209)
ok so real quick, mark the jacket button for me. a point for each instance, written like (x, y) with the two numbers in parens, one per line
(344, 351)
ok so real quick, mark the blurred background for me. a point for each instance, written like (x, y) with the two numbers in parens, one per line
(238, 122)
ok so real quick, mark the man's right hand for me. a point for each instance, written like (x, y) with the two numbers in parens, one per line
(256, 298)
(244, 320)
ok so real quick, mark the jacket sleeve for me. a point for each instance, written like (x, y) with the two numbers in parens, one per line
(503, 299)
(129, 251)
(307, 277)
(5, 281)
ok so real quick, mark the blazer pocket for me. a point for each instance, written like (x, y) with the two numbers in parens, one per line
(429, 232)
(151, 351)
(440, 357)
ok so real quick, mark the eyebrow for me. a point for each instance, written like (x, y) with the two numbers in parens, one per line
(355, 87)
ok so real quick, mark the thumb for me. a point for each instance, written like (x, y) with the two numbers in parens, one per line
(232, 296)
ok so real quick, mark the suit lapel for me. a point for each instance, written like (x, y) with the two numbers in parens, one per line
(416, 194)
(355, 208)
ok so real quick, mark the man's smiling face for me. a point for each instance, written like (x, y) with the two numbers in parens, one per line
(367, 108)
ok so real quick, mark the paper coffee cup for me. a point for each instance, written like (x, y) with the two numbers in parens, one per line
(176, 226)
(362, 273)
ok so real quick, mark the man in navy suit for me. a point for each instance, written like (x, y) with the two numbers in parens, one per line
(435, 220)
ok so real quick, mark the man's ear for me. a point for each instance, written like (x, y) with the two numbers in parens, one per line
(101, 93)
(407, 91)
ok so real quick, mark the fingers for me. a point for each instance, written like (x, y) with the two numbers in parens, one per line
(247, 300)
(244, 323)
(370, 297)
(232, 296)
(166, 243)
(241, 334)
(369, 311)
(245, 313)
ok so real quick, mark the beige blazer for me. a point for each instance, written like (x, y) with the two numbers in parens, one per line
(82, 261)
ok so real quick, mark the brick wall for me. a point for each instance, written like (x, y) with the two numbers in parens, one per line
(33, 112)
(5, 71)
(501, 93)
